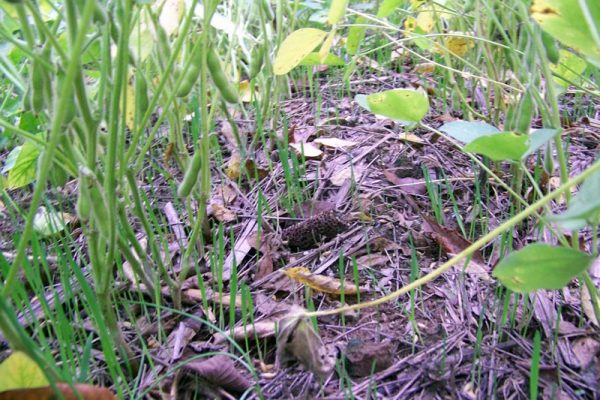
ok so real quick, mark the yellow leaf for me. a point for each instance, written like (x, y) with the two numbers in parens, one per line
(410, 23)
(19, 372)
(457, 45)
(295, 47)
(425, 68)
(321, 283)
(425, 20)
(233, 170)
(245, 92)
(336, 11)
(324, 52)
(130, 102)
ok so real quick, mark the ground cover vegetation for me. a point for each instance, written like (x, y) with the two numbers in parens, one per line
(299, 199)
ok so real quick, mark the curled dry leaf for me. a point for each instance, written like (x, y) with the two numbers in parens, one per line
(259, 330)
(222, 213)
(220, 371)
(322, 283)
(85, 392)
(344, 172)
(407, 185)
(297, 340)
(453, 243)
(371, 260)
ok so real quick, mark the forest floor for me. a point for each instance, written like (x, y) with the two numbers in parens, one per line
(387, 207)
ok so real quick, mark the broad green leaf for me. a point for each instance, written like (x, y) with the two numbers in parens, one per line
(356, 35)
(314, 59)
(336, 11)
(387, 7)
(570, 67)
(585, 206)
(295, 47)
(565, 20)
(467, 131)
(20, 165)
(399, 104)
(538, 138)
(499, 147)
(19, 371)
(541, 266)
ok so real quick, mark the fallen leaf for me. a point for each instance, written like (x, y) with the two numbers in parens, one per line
(347, 172)
(586, 298)
(453, 243)
(220, 371)
(84, 392)
(371, 260)
(234, 167)
(308, 150)
(19, 371)
(257, 330)
(222, 213)
(364, 359)
(425, 68)
(297, 340)
(407, 185)
(335, 143)
(256, 171)
(410, 137)
(246, 94)
(585, 350)
(311, 208)
(322, 283)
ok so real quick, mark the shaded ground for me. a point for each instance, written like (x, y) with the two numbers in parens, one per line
(460, 336)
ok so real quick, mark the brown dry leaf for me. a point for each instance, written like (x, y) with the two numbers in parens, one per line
(85, 392)
(382, 243)
(345, 172)
(425, 68)
(297, 340)
(585, 350)
(453, 243)
(310, 208)
(222, 213)
(260, 330)
(407, 185)
(220, 371)
(335, 143)
(410, 137)
(322, 283)
(363, 358)
(308, 150)
(371, 260)
(256, 171)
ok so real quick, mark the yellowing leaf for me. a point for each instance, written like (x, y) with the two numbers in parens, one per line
(308, 150)
(234, 167)
(245, 92)
(336, 11)
(21, 164)
(322, 283)
(409, 137)
(335, 143)
(569, 67)
(425, 68)
(19, 371)
(457, 45)
(410, 23)
(425, 20)
(324, 51)
(295, 47)
(48, 223)
(171, 14)
(130, 102)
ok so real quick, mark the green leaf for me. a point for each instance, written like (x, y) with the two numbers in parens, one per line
(336, 11)
(387, 7)
(499, 147)
(20, 165)
(314, 59)
(467, 131)
(538, 138)
(398, 104)
(570, 67)
(295, 47)
(541, 266)
(585, 206)
(565, 20)
(19, 371)
(356, 35)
